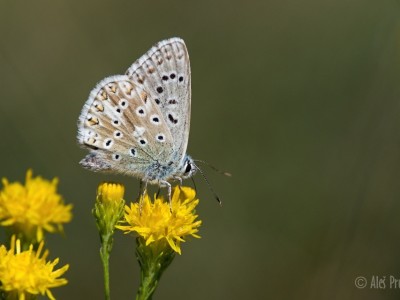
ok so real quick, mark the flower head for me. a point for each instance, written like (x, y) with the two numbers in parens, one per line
(110, 193)
(109, 206)
(26, 272)
(33, 207)
(155, 221)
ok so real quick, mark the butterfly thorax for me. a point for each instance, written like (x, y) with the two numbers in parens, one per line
(158, 172)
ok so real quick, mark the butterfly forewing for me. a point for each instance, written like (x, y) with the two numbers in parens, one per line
(164, 72)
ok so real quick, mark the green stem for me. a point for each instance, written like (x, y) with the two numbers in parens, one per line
(153, 260)
(105, 257)
(148, 283)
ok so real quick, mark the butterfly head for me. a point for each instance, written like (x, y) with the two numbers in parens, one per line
(188, 168)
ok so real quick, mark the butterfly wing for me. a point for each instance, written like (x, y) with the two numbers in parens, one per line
(164, 71)
(123, 128)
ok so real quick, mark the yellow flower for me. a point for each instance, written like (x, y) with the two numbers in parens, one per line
(24, 273)
(110, 193)
(33, 207)
(154, 221)
(108, 211)
(109, 206)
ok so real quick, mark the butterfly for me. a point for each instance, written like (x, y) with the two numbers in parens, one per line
(138, 124)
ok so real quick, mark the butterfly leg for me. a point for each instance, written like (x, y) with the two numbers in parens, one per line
(158, 192)
(169, 193)
(178, 179)
(180, 182)
(142, 192)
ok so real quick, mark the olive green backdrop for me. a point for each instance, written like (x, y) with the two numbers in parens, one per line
(300, 100)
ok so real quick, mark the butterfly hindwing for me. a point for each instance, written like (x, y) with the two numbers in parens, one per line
(123, 128)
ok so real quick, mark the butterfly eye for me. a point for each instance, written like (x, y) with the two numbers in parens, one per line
(188, 168)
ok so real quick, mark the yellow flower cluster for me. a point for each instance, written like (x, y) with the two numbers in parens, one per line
(33, 207)
(24, 273)
(154, 221)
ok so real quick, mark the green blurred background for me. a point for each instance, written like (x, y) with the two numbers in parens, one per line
(298, 99)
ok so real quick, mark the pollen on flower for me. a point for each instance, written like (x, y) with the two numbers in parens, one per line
(27, 272)
(154, 221)
(34, 207)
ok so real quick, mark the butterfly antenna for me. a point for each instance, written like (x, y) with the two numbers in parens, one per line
(194, 184)
(140, 190)
(209, 185)
(213, 167)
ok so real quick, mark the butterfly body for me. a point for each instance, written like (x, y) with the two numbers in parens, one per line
(138, 123)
